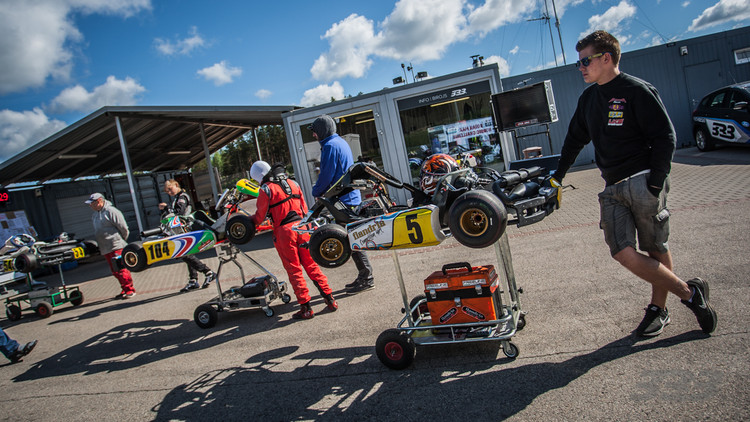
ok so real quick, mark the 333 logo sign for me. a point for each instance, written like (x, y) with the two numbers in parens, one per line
(723, 130)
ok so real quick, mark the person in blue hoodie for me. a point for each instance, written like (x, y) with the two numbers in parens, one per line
(335, 159)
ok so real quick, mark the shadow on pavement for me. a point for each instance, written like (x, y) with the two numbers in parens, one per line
(350, 384)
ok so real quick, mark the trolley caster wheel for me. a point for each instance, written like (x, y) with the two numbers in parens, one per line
(521, 322)
(510, 350)
(269, 312)
(206, 316)
(76, 297)
(43, 309)
(286, 298)
(13, 312)
(395, 348)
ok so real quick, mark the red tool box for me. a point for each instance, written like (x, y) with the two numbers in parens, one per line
(461, 293)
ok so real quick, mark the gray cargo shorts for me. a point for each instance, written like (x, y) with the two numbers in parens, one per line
(629, 209)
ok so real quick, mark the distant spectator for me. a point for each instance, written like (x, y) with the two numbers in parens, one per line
(111, 232)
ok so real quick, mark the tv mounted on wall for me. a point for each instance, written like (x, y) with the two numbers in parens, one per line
(527, 106)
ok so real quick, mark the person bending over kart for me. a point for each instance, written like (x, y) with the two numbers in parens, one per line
(179, 204)
(282, 199)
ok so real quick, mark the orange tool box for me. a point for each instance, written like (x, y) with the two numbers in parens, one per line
(461, 293)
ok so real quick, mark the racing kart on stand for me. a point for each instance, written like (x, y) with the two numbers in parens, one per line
(179, 236)
(24, 254)
(527, 194)
(475, 217)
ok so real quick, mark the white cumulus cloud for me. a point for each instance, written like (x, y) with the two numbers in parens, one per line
(352, 42)
(263, 93)
(182, 46)
(220, 73)
(322, 94)
(501, 63)
(121, 92)
(722, 12)
(36, 37)
(20, 130)
(612, 21)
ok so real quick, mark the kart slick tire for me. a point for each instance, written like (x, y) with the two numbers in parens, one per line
(477, 219)
(133, 257)
(26, 262)
(329, 246)
(240, 229)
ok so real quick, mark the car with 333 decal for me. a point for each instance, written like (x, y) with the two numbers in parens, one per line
(723, 117)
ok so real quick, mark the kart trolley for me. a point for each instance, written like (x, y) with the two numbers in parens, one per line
(396, 349)
(257, 292)
(41, 298)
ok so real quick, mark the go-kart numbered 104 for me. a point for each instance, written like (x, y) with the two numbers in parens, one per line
(458, 207)
(179, 236)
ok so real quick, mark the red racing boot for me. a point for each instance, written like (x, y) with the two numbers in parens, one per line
(305, 312)
(331, 302)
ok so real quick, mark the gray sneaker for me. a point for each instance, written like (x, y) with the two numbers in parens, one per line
(699, 305)
(210, 276)
(653, 322)
(192, 285)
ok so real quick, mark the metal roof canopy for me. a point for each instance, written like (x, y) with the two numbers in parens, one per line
(139, 138)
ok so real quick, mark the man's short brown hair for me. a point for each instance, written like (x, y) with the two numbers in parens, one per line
(603, 42)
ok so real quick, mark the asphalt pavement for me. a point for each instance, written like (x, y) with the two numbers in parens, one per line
(146, 359)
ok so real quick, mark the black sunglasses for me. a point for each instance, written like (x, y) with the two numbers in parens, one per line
(587, 60)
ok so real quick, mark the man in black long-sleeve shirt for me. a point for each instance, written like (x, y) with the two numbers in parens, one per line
(634, 142)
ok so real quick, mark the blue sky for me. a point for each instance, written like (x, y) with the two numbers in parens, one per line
(63, 59)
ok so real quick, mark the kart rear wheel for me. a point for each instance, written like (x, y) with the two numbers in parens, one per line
(26, 262)
(395, 348)
(240, 229)
(206, 316)
(43, 309)
(133, 257)
(329, 246)
(13, 312)
(477, 219)
(75, 297)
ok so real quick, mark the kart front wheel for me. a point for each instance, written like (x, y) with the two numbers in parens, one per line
(240, 229)
(133, 257)
(329, 246)
(477, 219)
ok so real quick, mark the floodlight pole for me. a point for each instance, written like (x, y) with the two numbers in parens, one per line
(257, 143)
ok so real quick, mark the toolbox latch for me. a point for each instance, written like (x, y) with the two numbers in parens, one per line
(478, 288)
(433, 294)
(457, 301)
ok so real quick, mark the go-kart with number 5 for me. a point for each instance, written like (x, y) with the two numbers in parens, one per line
(451, 205)
(179, 236)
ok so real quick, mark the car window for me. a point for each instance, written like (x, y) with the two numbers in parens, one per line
(717, 100)
(736, 97)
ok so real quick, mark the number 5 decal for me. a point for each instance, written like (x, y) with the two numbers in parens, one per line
(411, 224)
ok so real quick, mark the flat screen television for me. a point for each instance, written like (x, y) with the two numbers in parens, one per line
(527, 106)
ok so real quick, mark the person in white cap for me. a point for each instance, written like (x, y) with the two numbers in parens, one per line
(111, 232)
(282, 199)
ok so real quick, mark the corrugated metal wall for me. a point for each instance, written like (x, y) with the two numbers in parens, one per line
(682, 80)
(59, 207)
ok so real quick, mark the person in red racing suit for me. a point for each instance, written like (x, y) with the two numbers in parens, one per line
(282, 199)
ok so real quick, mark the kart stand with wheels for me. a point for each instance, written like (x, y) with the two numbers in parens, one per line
(396, 349)
(257, 292)
(42, 300)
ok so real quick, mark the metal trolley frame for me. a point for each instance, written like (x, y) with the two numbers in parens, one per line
(396, 349)
(206, 315)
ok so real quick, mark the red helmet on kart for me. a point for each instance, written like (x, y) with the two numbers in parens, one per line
(433, 168)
